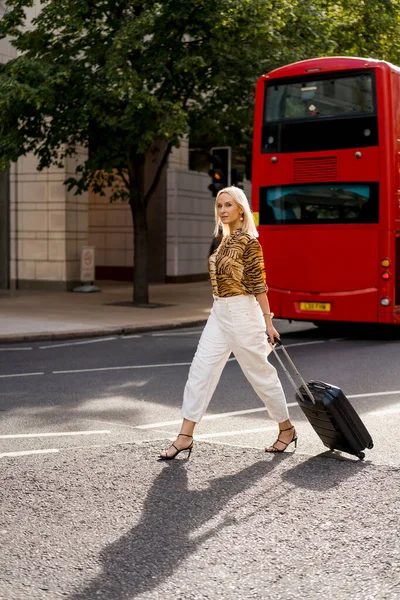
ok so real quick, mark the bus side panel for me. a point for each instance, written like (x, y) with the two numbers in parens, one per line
(386, 287)
(258, 123)
(389, 243)
(387, 135)
(396, 144)
(397, 271)
(396, 256)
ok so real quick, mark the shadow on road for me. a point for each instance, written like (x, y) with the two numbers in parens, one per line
(351, 331)
(307, 474)
(143, 558)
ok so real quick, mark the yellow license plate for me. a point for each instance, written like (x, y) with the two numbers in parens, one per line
(315, 306)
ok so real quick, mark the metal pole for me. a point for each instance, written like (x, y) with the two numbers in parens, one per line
(4, 230)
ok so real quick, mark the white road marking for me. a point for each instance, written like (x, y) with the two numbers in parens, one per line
(128, 337)
(209, 417)
(117, 423)
(54, 434)
(13, 349)
(185, 364)
(305, 343)
(286, 345)
(382, 413)
(28, 452)
(256, 410)
(205, 418)
(204, 436)
(162, 365)
(96, 341)
(372, 394)
(176, 333)
(21, 374)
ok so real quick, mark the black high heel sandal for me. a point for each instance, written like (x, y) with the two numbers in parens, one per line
(188, 449)
(292, 441)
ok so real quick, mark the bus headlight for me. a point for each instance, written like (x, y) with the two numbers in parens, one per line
(385, 301)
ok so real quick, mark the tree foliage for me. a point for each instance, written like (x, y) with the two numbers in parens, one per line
(368, 28)
(126, 78)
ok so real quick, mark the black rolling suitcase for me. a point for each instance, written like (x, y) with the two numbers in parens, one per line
(329, 412)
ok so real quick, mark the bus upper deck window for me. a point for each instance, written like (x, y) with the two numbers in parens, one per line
(334, 96)
(308, 91)
(323, 112)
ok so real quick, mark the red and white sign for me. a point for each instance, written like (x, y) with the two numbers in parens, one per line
(87, 264)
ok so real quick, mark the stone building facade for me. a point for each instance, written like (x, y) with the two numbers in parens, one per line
(48, 226)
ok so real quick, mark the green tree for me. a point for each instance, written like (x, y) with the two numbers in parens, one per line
(126, 79)
(366, 28)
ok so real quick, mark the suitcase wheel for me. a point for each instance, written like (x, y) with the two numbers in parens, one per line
(361, 455)
(370, 446)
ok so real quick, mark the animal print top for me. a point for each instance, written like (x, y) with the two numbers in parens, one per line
(237, 266)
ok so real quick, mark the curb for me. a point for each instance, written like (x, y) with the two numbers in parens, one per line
(90, 333)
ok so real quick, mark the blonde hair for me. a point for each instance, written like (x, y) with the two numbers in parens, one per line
(240, 198)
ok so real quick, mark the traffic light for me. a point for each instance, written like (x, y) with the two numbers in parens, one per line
(220, 172)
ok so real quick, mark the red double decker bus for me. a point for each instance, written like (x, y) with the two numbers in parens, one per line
(326, 187)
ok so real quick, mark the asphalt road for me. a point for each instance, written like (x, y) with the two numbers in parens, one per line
(88, 512)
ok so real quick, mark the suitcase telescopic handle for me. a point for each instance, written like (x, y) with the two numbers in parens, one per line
(288, 375)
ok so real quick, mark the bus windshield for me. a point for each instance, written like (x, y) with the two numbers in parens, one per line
(327, 97)
(319, 203)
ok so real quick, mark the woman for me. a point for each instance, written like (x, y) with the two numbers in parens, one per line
(237, 323)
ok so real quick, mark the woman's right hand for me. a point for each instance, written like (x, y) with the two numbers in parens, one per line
(272, 334)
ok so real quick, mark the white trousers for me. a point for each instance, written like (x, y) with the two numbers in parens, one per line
(236, 324)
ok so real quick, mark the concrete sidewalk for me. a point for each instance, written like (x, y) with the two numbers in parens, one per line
(32, 315)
